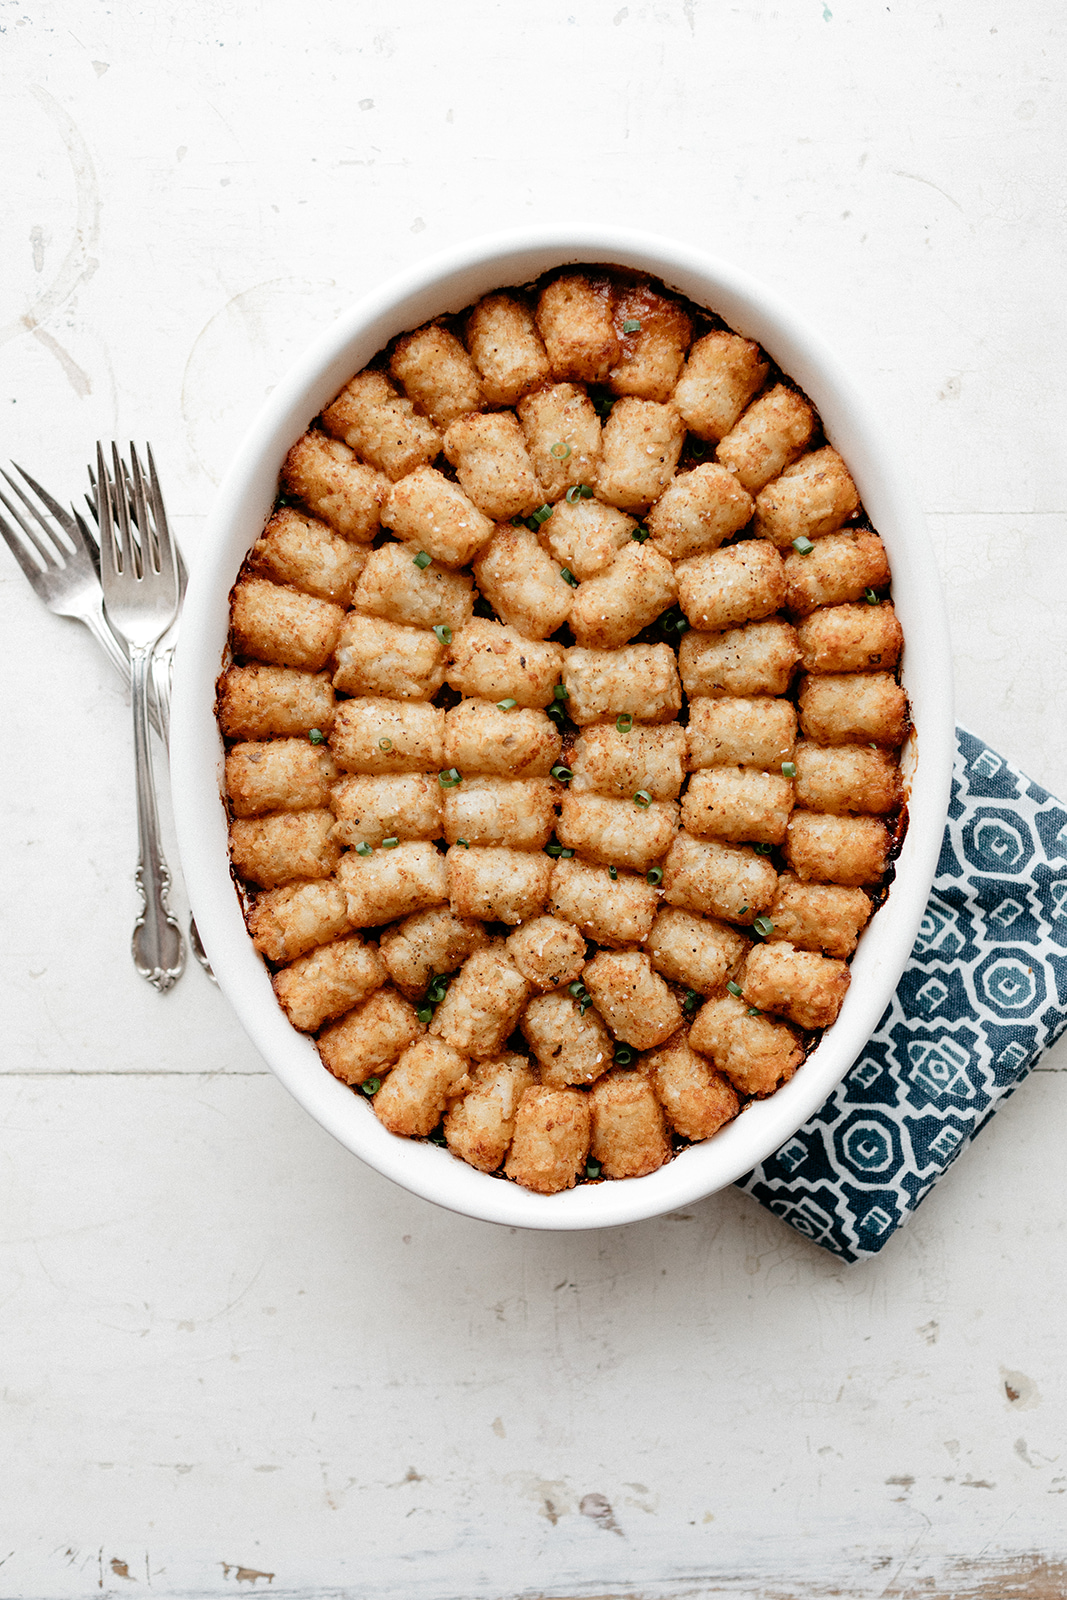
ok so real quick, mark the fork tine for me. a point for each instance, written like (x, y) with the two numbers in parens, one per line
(168, 551)
(30, 567)
(60, 513)
(104, 520)
(46, 553)
(149, 536)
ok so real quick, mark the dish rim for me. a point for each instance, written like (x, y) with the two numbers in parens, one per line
(448, 282)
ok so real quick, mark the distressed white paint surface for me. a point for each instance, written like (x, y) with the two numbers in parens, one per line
(232, 1359)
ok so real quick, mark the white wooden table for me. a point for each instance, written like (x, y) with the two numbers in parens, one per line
(231, 1359)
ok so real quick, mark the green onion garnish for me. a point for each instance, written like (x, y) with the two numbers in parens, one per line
(316, 736)
(789, 769)
(437, 988)
(542, 514)
(624, 722)
(592, 1169)
(762, 849)
(763, 926)
(640, 533)
(804, 546)
(577, 988)
(742, 911)
(871, 598)
(654, 876)
(734, 989)
(753, 1011)
(631, 325)
(560, 692)
(506, 705)
(568, 577)
(465, 843)
(691, 1002)
(422, 560)
(450, 778)
(558, 850)
(561, 450)
(390, 844)
(562, 774)
(385, 744)
(443, 632)
(624, 1055)
(424, 1013)
(643, 799)
(698, 449)
(371, 1087)
(578, 491)
(364, 849)
(613, 874)
(437, 1137)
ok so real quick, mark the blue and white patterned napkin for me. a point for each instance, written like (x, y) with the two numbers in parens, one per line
(983, 994)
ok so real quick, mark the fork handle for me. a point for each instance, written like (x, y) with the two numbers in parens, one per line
(158, 950)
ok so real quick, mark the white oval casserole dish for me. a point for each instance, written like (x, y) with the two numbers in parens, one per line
(448, 283)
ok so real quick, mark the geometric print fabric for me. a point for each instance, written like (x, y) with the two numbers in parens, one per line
(984, 993)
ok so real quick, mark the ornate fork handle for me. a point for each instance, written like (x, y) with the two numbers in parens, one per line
(158, 951)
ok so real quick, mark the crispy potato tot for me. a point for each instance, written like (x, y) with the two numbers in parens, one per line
(371, 809)
(695, 951)
(639, 680)
(377, 735)
(827, 849)
(290, 921)
(613, 911)
(767, 437)
(498, 884)
(641, 443)
(850, 639)
(283, 846)
(629, 1129)
(370, 1038)
(517, 812)
(697, 1099)
(755, 1053)
(826, 917)
(551, 1139)
(574, 316)
(609, 609)
(617, 832)
(381, 426)
(756, 659)
(392, 883)
(429, 510)
(841, 568)
(516, 742)
(394, 585)
(854, 707)
(483, 1003)
(737, 803)
(607, 760)
(572, 1045)
(506, 348)
(722, 880)
(807, 988)
(414, 1096)
(334, 485)
(436, 373)
(562, 433)
(633, 1000)
(847, 777)
(743, 583)
(258, 701)
(490, 661)
(585, 536)
(548, 952)
(278, 775)
(493, 465)
(283, 626)
(330, 980)
(305, 552)
(721, 376)
(697, 511)
(652, 353)
(479, 1127)
(427, 944)
(739, 731)
(375, 657)
(811, 498)
(522, 583)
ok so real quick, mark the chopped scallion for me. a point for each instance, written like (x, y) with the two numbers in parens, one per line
(691, 1002)
(655, 876)
(577, 988)
(506, 705)
(613, 874)
(763, 926)
(542, 514)
(789, 769)
(449, 778)
(568, 577)
(871, 598)
(640, 533)
(631, 325)
(560, 692)
(422, 560)
(762, 849)
(465, 843)
(424, 1013)
(753, 1011)
(698, 449)
(316, 736)
(734, 989)
(803, 546)
(364, 849)
(562, 774)
(643, 799)
(592, 1169)
(560, 450)
(437, 988)
(624, 1055)
(443, 632)
(624, 722)
(558, 851)
(385, 744)
(390, 844)
(371, 1087)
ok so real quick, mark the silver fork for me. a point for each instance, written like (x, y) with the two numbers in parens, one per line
(59, 556)
(141, 590)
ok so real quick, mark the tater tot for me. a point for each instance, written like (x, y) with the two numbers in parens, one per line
(722, 880)
(548, 952)
(767, 437)
(639, 680)
(840, 568)
(493, 465)
(290, 921)
(722, 374)
(811, 498)
(850, 639)
(282, 846)
(428, 943)
(437, 374)
(376, 657)
(586, 536)
(551, 1139)
(490, 661)
(697, 511)
(828, 849)
(613, 911)
(607, 760)
(506, 348)
(847, 777)
(853, 707)
(571, 1045)
(413, 1098)
(698, 1099)
(483, 1003)
(429, 510)
(806, 987)
(479, 1127)
(609, 609)
(617, 832)
(562, 433)
(402, 589)
(290, 629)
(633, 1000)
(381, 426)
(330, 980)
(629, 1129)
(574, 316)
(654, 335)
(696, 951)
(368, 1040)
(346, 493)
(517, 812)
(302, 550)
(756, 659)
(498, 884)
(738, 731)
(641, 443)
(737, 803)
(257, 701)
(370, 809)
(522, 583)
(818, 916)
(742, 583)
(755, 1053)
(389, 884)
(278, 775)
(378, 735)
(516, 742)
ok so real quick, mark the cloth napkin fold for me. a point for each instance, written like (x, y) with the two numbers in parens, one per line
(984, 993)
